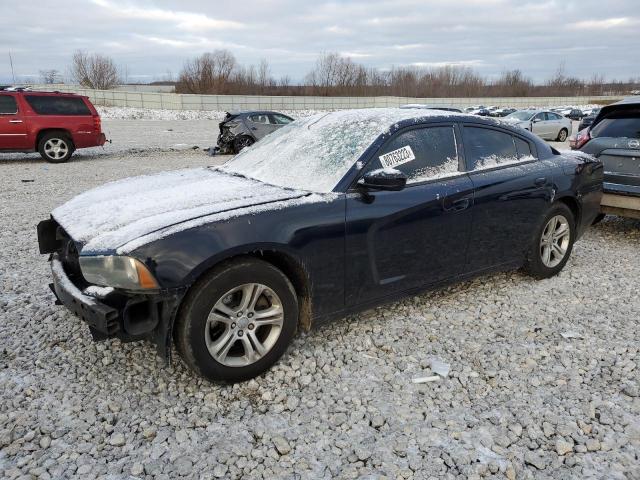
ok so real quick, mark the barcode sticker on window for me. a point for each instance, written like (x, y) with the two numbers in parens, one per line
(397, 157)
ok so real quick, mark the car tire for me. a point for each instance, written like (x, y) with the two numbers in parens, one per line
(56, 147)
(242, 142)
(221, 340)
(545, 258)
(562, 135)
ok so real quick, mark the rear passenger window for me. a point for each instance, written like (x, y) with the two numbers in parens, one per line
(259, 118)
(421, 154)
(8, 105)
(487, 148)
(524, 149)
(52, 105)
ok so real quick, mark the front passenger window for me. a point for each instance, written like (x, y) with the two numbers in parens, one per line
(421, 154)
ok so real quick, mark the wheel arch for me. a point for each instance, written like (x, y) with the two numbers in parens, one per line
(46, 131)
(574, 206)
(289, 264)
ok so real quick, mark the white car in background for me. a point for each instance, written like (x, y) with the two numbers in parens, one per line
(544, 123)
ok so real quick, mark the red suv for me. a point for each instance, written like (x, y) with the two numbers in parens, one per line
(52, 123)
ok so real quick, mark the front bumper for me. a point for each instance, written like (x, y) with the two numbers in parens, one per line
(101, 318)
(128, 317)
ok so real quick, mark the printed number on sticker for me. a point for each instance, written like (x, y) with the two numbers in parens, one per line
(397, 157)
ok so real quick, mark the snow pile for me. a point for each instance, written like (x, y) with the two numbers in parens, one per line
(109, 216)
(315, 153)
(132, 113)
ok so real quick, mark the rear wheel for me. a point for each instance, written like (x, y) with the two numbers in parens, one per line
(55, 147)
(237, 321)
(562, 136)
(242, 142)
(552, 243)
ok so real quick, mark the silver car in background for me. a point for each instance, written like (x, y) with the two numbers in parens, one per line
(544, 123)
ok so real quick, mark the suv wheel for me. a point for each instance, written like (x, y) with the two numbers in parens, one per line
(552, 243)
(55, 147)
(237, 321)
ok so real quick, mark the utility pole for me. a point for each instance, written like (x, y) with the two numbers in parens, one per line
(12, 72)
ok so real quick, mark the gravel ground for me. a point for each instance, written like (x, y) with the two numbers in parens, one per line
(543, 379)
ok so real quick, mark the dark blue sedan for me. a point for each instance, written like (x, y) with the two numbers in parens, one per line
(329, 215)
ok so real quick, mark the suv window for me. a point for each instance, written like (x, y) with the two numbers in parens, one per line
(488, 148)
(280, 119)
(619, 125)
(420, 153)
(8, 105)
(52, 105)
(259, 118)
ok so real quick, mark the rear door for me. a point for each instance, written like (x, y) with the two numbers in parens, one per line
(512, 191)
(396, 241)
(13, 129)
(260, 125)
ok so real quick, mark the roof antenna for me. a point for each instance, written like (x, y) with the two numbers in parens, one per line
(12, 72)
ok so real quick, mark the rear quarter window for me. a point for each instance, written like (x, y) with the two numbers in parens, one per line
(50, 105)
(8, 105)
(619, 125)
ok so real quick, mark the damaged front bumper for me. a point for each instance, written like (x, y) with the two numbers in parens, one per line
(127, 316)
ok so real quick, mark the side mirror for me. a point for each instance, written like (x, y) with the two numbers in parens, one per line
(383, 179)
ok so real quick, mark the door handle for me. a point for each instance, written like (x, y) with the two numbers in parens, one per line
(15, 121)
(458, 205)
(253, 128)
(540, 182)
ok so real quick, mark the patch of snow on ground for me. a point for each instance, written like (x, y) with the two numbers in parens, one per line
(132, 113)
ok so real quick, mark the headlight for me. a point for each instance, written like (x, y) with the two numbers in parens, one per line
(118, 272)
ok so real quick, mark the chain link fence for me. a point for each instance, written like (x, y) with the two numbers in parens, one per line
(175, 101)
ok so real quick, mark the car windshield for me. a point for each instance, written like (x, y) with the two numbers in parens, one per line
(315, 153)
(522, 115)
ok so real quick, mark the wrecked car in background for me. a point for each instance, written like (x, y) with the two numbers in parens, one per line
(333, 214)
(242, 129)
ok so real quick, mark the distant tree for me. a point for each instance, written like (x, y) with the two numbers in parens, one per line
(50, 76)
(209, 73)
(94, 71)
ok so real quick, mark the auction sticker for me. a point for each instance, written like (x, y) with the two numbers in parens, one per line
(397, 157)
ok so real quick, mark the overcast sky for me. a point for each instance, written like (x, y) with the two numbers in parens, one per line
(153, 38)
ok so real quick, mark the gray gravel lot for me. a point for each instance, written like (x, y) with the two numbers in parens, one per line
(544, 378)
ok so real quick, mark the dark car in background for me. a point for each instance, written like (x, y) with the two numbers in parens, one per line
(242, 129)
(503, 112)
(588, 120)
(333, 214)
(573, 114)
(52, 123)
(614, 138)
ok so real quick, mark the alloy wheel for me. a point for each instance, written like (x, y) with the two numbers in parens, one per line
(554, 242)
(56, 148)
(244, 325)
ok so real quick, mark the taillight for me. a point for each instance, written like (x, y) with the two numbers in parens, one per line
(582, 138)
(97, 125)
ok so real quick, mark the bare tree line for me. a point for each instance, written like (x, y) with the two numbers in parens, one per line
(219, 72)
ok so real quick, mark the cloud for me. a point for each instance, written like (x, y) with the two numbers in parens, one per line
(183, 20)
(151, 37)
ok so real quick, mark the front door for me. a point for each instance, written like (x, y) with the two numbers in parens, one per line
(13, 130)
(512, 191)
(397, 241)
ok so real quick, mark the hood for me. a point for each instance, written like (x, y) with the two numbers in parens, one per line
(107, 217)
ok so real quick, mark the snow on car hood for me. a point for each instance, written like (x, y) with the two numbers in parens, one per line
(117, 213)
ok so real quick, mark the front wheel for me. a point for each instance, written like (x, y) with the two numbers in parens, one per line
(552, 243)
(55, 147)
(562, 136)
(242, 142)
(237, 321)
